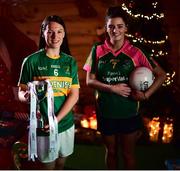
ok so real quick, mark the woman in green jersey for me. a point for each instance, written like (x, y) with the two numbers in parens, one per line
(53, 62)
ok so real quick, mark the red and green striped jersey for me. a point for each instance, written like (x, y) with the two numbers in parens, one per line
(112, 67)
(62, 72)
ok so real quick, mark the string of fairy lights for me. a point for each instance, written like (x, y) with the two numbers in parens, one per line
(140, 39)
(158, 16)
(143, 40)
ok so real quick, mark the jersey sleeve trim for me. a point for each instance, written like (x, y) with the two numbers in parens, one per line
(75, 86)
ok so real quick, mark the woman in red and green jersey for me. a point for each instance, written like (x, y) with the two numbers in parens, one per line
(108, 68)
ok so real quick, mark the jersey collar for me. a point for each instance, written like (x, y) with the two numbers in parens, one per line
(116, 53)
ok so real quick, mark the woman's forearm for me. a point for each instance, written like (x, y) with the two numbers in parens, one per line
(69, 103)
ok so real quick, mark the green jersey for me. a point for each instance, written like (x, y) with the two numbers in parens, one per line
(62, 74)
(113, 67)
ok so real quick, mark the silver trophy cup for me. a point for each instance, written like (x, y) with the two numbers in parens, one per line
(40, 90)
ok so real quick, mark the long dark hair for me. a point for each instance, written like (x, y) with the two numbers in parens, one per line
(57, 19)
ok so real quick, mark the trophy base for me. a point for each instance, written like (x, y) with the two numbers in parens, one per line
(42, 132)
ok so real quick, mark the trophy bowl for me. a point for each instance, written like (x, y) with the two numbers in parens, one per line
(40, 89)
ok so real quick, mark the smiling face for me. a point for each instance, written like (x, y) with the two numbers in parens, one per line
(116, 29)
(54, 34)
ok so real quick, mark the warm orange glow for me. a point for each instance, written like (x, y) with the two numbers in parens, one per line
(84, 123)
(154, 127)
(167, 133)
(89, 122)
(93, 123)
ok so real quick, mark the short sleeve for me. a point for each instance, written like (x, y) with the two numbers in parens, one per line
(75, 79)
(150, 60)
(90, 64)
(25, 74)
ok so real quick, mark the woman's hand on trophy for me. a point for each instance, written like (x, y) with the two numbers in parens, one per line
(27, 96)
(46, 128)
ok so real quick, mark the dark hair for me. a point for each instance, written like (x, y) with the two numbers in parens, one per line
(116, 11)
(57, 19)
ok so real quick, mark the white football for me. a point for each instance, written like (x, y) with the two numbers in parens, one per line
(141, 78)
